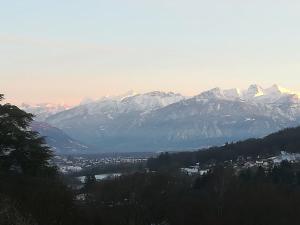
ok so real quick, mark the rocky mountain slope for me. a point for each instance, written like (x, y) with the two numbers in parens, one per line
(58, 140)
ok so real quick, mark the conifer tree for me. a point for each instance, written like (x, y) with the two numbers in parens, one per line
(22, 150)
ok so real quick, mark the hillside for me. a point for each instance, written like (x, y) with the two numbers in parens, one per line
(285, 140)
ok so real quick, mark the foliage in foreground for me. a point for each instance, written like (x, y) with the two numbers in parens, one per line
(221, 197)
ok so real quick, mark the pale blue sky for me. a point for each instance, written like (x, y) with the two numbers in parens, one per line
(65, 50)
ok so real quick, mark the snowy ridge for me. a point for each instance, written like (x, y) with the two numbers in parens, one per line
(254, 93)
(44, 110)
(111, 107)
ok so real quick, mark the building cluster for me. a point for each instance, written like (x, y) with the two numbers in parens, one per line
(267, 162)
(195, 170)
(69, 164)
(243, 163)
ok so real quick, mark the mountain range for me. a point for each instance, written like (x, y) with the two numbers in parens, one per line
(158, 121)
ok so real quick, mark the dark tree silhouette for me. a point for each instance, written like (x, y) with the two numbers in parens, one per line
(21, 149)
(31, 191)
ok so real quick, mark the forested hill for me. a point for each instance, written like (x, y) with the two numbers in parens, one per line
(285, 140)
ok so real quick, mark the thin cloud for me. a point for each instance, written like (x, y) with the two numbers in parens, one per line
(47, 43)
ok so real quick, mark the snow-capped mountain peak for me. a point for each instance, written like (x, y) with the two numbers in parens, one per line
(151, 100)
(218, 93)
(212, 93)
(113, 108)
(233, 93)
(128, 94)
(273, 94)
(86, 100)
(120, 97)
(276, 89)
(253, 91)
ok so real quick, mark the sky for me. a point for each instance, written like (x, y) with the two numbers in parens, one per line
(63, 51)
